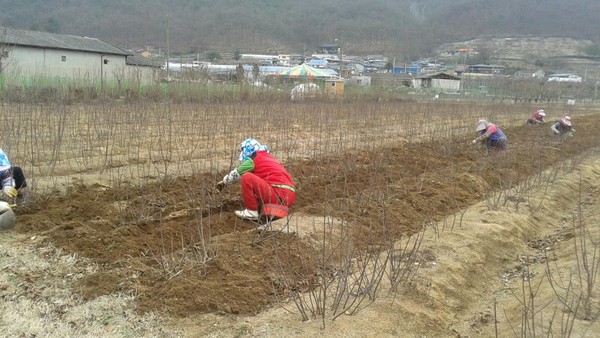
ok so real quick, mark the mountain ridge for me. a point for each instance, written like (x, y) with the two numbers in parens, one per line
(402, 29)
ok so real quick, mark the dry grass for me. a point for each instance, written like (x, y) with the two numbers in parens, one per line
(37, 300)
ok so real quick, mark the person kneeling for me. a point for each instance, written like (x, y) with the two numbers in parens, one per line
(12, 179)
(264, 180)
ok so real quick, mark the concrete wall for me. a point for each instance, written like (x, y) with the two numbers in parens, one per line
(31, 62)
(445, 84)
(138, 75)
(360, 80)
(36, 64)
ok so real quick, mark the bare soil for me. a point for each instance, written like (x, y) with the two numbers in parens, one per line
(146, 240)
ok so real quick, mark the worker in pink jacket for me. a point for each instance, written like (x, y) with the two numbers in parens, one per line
(491, 136)
(563, 127)
(536, 118)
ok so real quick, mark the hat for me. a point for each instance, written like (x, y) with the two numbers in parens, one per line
(482, 125)
(541, 112)
(249, 147)
(566, 121)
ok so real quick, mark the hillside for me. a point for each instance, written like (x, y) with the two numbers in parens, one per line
(404, 29)
(553, 54)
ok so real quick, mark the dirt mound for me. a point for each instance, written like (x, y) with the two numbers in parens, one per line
(177, 246)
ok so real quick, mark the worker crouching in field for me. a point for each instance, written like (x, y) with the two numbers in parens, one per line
(13, 180)
(265, 183)
(491, 136)
(536, 118)
(563, 127)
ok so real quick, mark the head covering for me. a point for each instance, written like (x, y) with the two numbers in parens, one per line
(566, 120)
(4, 162)
(482, 125)
(249, 147)
(541, 113)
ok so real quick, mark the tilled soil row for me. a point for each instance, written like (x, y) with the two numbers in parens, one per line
(177, 246)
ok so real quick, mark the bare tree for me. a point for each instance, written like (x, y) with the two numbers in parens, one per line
(5, 48)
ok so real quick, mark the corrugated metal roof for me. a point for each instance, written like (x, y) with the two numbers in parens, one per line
(269, 69)
(317, 62)
(19, 37)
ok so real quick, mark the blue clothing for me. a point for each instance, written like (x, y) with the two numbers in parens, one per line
(499, 134)
(6, 177)
(496, 138)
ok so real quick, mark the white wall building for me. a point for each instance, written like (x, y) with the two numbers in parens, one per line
(29, 57)
(441, 80)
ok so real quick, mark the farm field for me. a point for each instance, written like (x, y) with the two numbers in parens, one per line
(126, 235)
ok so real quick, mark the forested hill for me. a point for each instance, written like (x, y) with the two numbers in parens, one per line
(402, 28)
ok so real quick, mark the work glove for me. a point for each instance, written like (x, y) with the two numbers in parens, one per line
(232, 177)
(220, 186)
(10, 191)
(556, 132)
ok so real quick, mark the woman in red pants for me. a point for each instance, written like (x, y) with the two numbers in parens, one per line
(264, 180)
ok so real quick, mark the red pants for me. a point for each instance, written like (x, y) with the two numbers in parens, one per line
(257, 191)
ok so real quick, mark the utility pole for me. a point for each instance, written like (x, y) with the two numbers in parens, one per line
(341, 55)
(101, 72)
(168, 56)
(4, 52)
(596, 87)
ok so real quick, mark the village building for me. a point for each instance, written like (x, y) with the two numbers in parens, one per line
(524, 75)
(318, 63)
(31, 57)
(329, 48)
(441, 80)
(142, 70)
(359, 80)
(482, 69)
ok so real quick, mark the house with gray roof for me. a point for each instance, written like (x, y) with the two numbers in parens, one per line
(39, 57)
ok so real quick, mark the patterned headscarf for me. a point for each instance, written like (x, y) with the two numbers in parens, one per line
(249, 147)
(4, 166)
(4, 162)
